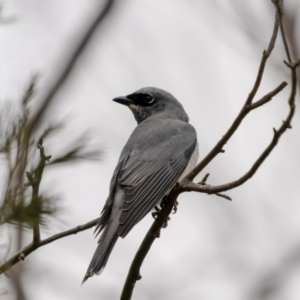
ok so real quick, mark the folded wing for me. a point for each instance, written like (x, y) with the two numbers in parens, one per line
(146, 175)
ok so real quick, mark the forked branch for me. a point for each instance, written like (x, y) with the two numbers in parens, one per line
(187, 185)
(246, 107)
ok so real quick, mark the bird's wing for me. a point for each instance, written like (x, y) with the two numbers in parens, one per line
(152, 167)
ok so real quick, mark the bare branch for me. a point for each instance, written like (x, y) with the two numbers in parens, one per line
(153, 233)
(187, 185)
(21, 255)
(264, 59)
(279, 7)
(191, 186)
(244, 111)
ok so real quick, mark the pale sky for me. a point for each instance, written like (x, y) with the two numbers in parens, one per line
(206, 53)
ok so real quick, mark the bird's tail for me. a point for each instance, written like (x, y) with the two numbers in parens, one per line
(101, 255)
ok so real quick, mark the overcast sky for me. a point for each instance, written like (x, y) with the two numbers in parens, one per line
(206, 53)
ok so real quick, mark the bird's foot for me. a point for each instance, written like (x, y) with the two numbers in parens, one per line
(175, 207)
(156, 213)
(165, 224)
(158, 210)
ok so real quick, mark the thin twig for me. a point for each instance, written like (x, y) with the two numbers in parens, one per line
(279, 6)
(268, 97)
(266, 54)
(32, 247)
(203, 181)
(224, 196)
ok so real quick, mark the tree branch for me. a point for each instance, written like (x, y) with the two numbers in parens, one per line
(153, 233)
(34, 246)
(279, 6)
(245, 109)
(187, 185)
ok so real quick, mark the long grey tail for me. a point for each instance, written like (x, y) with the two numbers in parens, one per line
(101, 255)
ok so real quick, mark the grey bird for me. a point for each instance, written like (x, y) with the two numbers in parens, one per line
(161, 150)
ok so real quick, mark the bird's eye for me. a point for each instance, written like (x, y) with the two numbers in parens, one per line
(149, 99)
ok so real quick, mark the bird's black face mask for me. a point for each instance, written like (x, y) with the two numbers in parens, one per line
(142, 105)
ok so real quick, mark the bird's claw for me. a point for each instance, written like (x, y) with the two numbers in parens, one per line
(165, 225)
(158, 210)
(156, 213)
(175, 207)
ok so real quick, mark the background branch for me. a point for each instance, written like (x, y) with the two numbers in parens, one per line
(61, 79)
(71, 63)
(34, 246)
(35, 179)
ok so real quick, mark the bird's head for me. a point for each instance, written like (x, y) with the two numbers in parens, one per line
(150, 101)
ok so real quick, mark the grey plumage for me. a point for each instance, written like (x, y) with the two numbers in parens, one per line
(154, 158)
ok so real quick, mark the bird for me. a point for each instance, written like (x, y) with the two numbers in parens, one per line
(161, 150)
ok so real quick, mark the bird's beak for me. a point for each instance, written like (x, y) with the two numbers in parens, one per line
(123, 100)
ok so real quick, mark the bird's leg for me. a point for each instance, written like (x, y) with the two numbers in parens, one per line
(164, 202)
